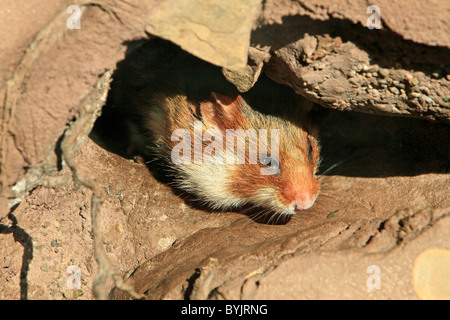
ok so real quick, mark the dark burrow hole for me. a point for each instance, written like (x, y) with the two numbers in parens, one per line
(354, 144)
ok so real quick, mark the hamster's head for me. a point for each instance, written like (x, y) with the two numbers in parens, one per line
(276, 170)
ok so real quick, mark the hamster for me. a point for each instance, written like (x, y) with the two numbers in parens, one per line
(289, 184)
(184, 109)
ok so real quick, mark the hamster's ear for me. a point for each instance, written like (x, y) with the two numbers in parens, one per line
(223, 112)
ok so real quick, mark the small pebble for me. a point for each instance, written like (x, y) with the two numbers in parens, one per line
(394, 90)
(413, 95)
(319, 66)
(328, 99)
(437, 73)
(383, 72)
(414, 81)
(421, 99)
(374, 68)
(77, 293)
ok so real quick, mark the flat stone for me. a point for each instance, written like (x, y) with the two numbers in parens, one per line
(217, 32)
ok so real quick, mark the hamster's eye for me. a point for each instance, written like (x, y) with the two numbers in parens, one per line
(271, 162)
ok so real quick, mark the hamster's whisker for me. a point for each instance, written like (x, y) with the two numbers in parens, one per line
(150, 161)
(275, 214)
(246, 210)
(281, 216)
(250, 216)
(332, 167)
(257, 215)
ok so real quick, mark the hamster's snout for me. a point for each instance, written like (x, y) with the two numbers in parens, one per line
(304, 202)
(302, 195)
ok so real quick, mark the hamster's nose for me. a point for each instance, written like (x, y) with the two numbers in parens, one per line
(301, 194)
(304, 202)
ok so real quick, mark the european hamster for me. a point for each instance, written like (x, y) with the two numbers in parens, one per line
(185, 108)
(274, 168)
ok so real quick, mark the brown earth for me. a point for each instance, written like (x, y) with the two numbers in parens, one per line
(384, 206)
